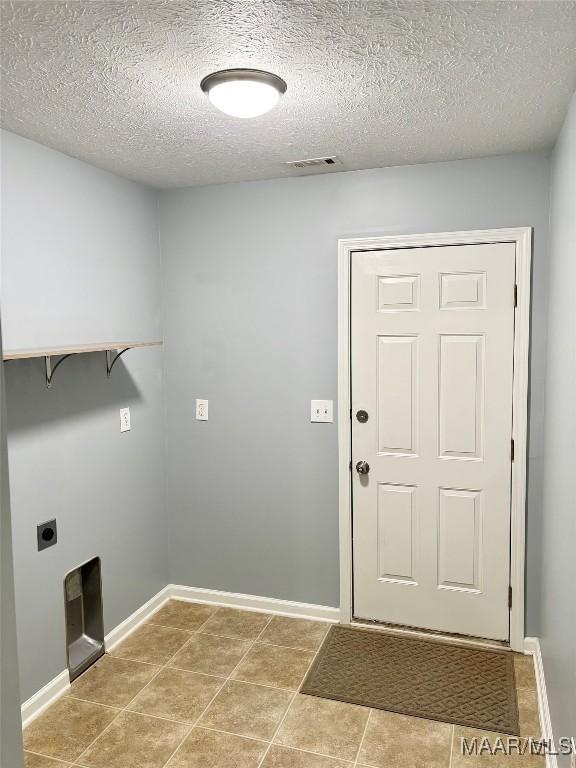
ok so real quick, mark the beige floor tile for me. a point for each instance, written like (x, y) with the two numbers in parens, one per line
(283, 757)
(211, 654)
(487, 742)
(398, 741)
(319, 725)
(528, 712)
(151, 644)
(230, 622)
(210, 749)
(273, 665)
(177, 695)
(65, 730)
(135, 741)
(295, 633)
(182, 615)
(37, 761)
(524, 669)
(112, 681)
(247, 710)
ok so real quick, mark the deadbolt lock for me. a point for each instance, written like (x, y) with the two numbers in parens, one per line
(362, 416)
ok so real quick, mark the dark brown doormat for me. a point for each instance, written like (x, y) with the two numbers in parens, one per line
(423, 678)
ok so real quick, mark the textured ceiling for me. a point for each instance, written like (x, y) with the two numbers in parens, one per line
(376, 83)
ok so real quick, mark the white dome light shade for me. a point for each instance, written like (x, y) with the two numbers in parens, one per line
(243, 92)
(243, 98)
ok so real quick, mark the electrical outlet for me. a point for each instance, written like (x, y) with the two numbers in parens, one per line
(202, 410)
(46, 535)
(125, 425)
(322, 411)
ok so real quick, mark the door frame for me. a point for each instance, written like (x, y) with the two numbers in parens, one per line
(522, 238)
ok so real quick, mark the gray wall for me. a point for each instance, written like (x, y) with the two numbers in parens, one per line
(10, 733)
(250, 312)
(80, 262)
(250, 296)
(558, 621)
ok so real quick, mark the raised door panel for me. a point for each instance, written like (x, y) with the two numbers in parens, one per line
(459, 531)
(397, 293)
(461, 395)
(396, 532)
(463, 290)
(396, 400)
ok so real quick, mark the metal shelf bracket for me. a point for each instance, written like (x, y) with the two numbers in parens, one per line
(50, 371)
(113, 351)
(110, 361)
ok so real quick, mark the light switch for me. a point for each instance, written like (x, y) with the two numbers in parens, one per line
(125, 420)
(322, 411)
(202, 410)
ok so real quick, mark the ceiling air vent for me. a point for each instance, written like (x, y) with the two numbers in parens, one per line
(315, 164)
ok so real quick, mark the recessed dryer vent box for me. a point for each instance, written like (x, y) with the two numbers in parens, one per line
(84, 622)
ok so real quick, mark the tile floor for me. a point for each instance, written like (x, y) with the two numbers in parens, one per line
(205, 687)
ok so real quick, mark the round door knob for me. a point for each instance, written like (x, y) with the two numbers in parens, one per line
(362, 467)
(362, 416)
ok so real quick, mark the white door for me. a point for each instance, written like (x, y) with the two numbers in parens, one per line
(432, 334)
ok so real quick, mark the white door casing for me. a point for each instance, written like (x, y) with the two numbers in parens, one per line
(432, 519)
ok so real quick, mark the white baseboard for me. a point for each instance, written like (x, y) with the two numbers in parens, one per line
(57, 687)
(36, 704)
(532, 647)
(43, 698)
(139, 616)
(254, 603)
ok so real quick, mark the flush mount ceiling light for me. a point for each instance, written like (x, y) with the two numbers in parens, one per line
(243, 92)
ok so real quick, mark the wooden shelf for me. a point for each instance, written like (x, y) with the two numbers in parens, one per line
(62, 353)
(78, 349)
